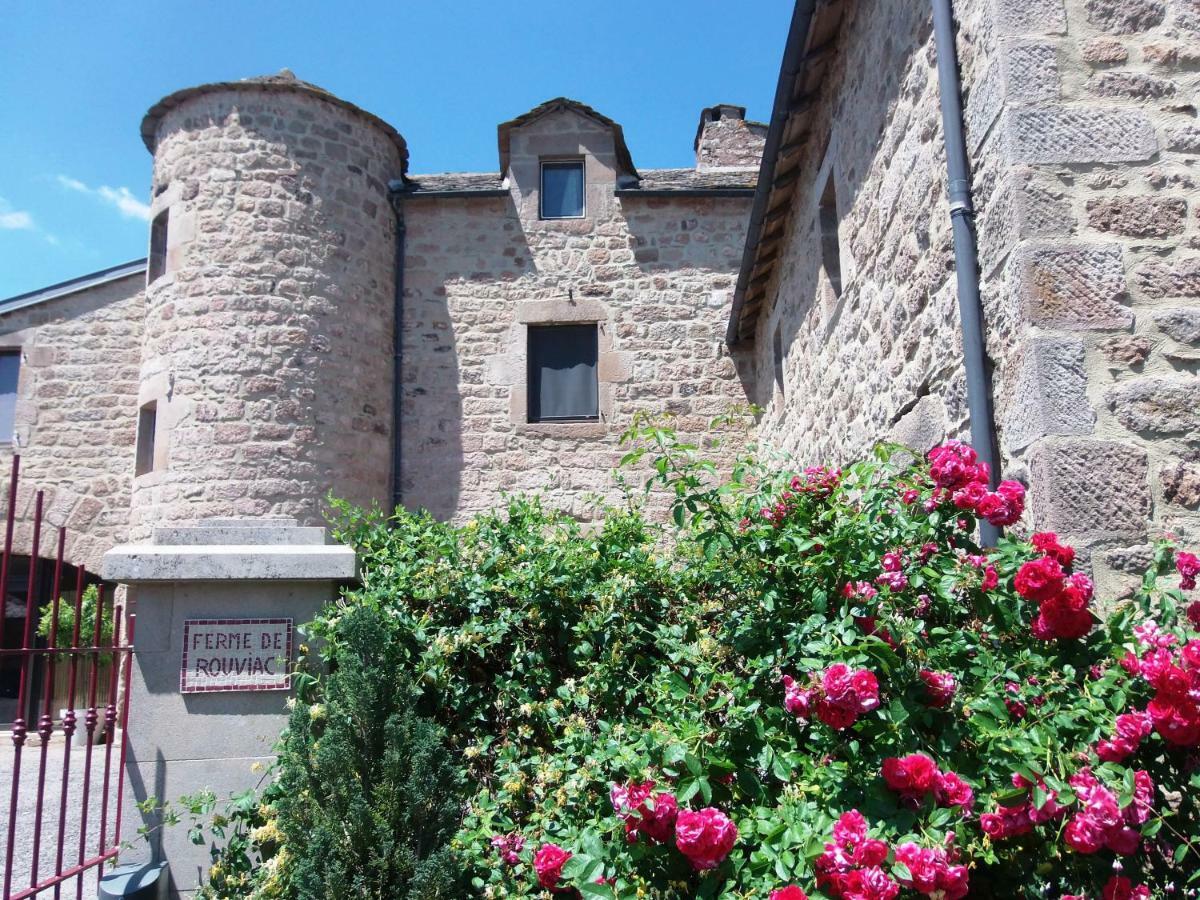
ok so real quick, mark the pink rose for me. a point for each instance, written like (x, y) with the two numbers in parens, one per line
(951, 790)
(548, 863)
(704, 836)
(791, 892)
(1188, 567)
(940, 687)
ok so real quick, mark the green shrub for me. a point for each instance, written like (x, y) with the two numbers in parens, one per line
(87, 623)
(564, 662)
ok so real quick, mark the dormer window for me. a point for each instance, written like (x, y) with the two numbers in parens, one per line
(562, 189)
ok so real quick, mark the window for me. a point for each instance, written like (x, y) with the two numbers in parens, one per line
(562, 373)
(158, 248)
(831, 251)
(147, 422)
(780, 358)
(10, 370)
(562, 190)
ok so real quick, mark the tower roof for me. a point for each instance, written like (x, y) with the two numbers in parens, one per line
(282, 82)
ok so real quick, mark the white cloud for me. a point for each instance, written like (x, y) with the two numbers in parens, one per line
(72, 183)
(15, 219)
(121, 198)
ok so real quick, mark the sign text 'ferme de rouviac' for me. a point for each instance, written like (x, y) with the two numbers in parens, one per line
(235, 655)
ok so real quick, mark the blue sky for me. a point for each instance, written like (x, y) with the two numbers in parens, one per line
(75, 80)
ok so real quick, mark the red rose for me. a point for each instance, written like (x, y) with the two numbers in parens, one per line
(1046, 543)
(911, 776)
(1039, 579)
(791, 892)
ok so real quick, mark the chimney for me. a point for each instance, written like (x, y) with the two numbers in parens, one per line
(724, 139)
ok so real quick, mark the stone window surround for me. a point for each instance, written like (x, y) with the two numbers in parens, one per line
(14, 342)
(181, 231)
(512, 368)
(159, 390)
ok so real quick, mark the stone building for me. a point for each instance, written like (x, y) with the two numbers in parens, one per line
(1081, 135)
(314, 317)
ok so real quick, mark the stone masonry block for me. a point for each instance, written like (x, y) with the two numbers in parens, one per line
(1069, 135)
(1127, 349)
(1181, 483)
(1160, 278)
(1078, 286)
(1130, 86)
(1031, 70)
(1031, 16)
(1184, 138)
(1144, 217)
(1090, 488)
(1182, 324)
(1051, 394)
(1125, 16)
(1157, 406)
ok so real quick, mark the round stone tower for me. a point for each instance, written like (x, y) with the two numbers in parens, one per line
(266, 376)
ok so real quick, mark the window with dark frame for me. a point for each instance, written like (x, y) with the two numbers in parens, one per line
(147, 424)
(563, 383)
(10, 373)
(562, 189)
(831, 250)
(157, 264)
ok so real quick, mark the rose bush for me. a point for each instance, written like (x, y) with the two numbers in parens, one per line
(809, 684)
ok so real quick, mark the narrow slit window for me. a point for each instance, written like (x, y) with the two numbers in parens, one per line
(157, 264)
(147, 424)
(831, 250)
(780, 358)
(563, 384)
(562, 190)
(10, 371)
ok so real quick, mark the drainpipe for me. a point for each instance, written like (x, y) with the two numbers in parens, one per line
(397, 345)
(966, 256)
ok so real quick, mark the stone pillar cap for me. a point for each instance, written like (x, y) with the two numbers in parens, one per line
(264, 549)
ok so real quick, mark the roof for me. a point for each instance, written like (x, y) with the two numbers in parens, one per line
(82, 283)
(504, 131)
(452, 184)
(283, 82)
(730, 182)
(806, 56)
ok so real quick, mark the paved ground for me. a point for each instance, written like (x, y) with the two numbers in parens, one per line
(27, 806)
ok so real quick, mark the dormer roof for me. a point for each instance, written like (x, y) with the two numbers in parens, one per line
(504, 131)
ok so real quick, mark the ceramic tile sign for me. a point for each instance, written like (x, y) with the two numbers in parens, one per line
(235, 655)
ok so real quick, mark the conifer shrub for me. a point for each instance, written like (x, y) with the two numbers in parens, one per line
(369, 795)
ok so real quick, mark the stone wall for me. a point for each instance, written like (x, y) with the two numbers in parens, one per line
(655, 273)
(882, 358)
(268, 342)
(1083, 144)
(1088, 147)
(75, 414)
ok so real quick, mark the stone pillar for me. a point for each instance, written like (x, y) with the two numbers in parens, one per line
(215, 605)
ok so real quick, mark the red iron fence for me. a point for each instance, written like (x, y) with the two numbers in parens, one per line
(53, 841)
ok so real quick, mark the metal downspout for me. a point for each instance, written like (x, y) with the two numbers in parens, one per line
(398, 355)
(966, 255)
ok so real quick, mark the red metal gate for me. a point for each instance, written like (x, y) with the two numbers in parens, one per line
(47, 851)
